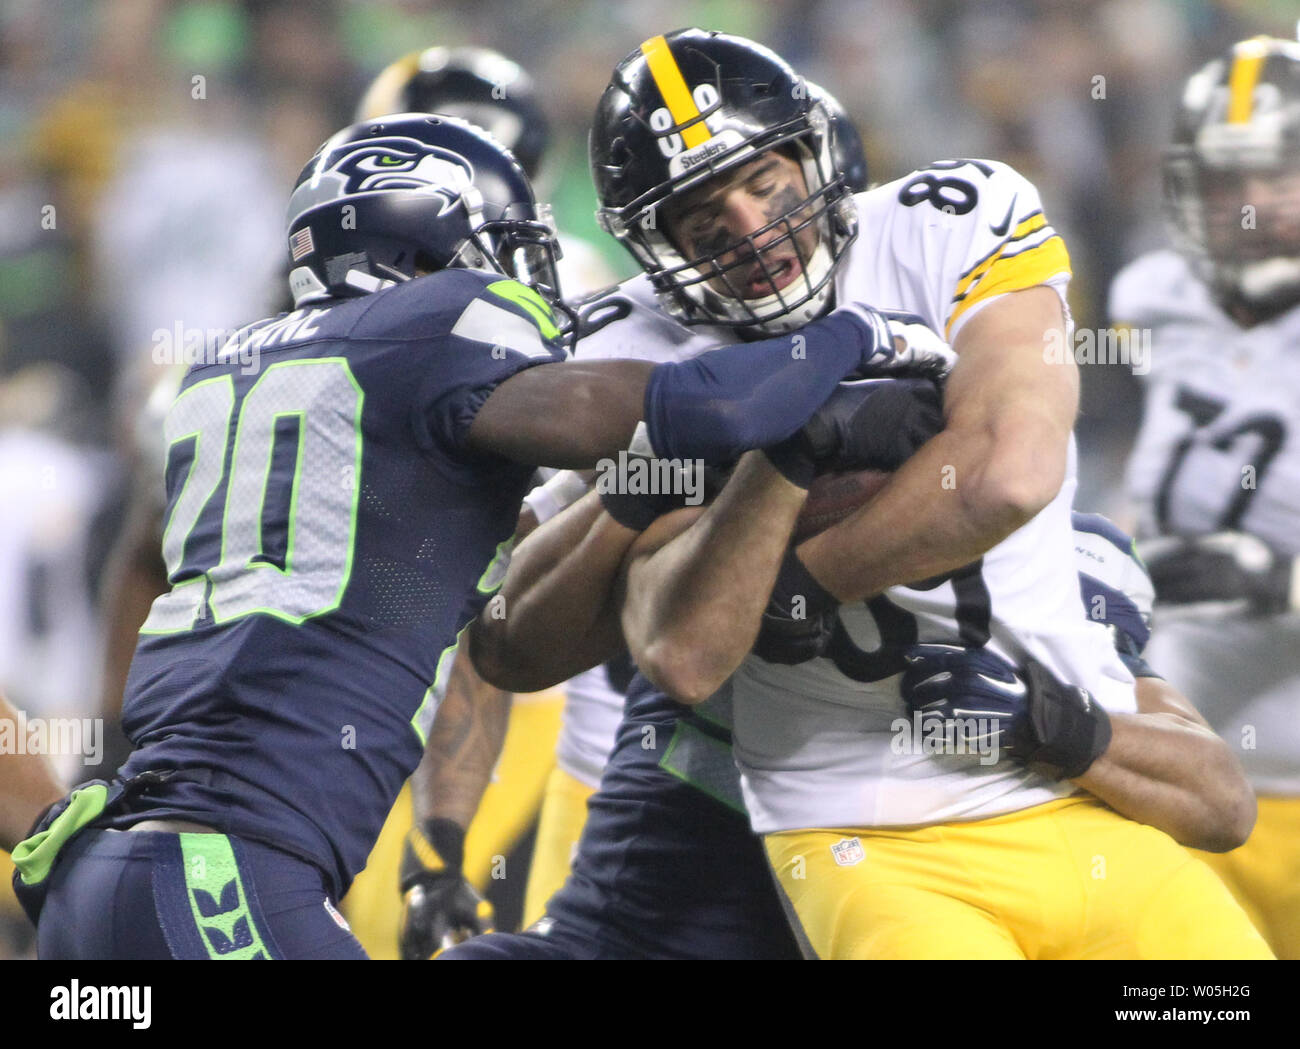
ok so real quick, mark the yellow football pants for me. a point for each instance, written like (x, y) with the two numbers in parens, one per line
(1068, 879)
(373, 906)
(564, 813)
(1264, 874)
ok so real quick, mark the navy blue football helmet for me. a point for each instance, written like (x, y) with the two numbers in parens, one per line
(386, 200)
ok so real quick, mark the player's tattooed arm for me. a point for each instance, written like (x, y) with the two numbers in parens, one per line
(709, 581)
(999, 460)
(463, 747)
(1165, 767)
(557, 611)
(27, 786)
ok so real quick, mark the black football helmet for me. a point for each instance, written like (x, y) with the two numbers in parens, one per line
(685, 107)
(384, 200)
(473, 83)
(847, 154)
(1232, 175)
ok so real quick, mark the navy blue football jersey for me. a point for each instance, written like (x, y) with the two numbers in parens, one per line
(328, 534)
(667, 866)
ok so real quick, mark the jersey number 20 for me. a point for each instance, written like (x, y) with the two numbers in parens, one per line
(324, 399)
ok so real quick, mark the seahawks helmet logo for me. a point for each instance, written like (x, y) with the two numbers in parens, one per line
(393, 163)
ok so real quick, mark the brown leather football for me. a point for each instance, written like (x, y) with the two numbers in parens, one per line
(833, 497)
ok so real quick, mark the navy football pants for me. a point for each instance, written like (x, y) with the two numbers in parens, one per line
(150, 894)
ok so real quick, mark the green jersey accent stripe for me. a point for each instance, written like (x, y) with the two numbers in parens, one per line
(422, 722)
(482, 321)
(530, 300)
(495, 573)
(218, 900)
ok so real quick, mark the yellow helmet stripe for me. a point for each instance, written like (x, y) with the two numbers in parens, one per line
(677, 96)
(386, 91)
(1247, 62)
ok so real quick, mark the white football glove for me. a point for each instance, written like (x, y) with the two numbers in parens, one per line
(912, 349)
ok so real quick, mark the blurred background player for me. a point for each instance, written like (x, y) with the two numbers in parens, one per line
(1215, 473)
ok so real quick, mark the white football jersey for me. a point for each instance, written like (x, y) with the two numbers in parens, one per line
(593, 710)
(1217, 450)
(813, 742)
(50, 635)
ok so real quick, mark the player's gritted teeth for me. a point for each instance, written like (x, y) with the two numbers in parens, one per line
(772, 275)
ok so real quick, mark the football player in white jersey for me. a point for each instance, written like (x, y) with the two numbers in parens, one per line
(721, 187)
(1215, 472)
(594, 698)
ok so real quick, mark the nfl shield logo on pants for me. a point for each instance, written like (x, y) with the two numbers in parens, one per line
(848, 851)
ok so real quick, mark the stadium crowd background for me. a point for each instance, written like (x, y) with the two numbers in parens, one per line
(147, 148)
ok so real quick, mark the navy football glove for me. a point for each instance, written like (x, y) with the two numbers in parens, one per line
(904, 343)
(978, 695)
(440, 908)
(968, 691)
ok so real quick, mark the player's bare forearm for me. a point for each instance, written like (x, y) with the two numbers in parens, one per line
(1165, 767)
(999, 460)
(694, 604)
(569, 415)
(557, 610)
(463, 747)
(27, 785)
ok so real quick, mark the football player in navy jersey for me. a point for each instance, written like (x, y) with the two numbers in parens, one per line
(343, 484)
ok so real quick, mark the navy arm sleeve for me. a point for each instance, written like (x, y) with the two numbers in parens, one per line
(728, 401)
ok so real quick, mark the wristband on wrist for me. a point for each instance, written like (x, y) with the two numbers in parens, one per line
(562, 490)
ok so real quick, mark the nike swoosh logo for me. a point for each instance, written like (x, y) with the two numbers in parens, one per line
(1001, 229)
(1016, 689)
